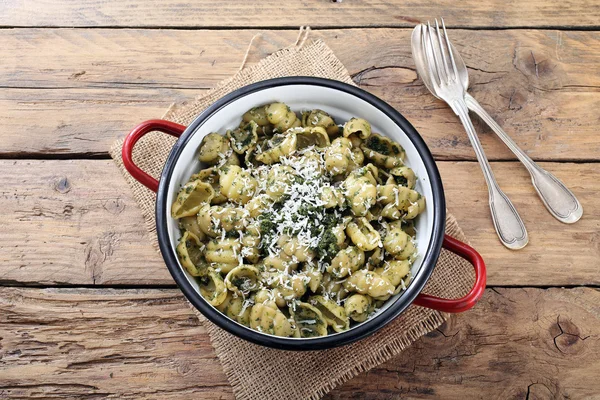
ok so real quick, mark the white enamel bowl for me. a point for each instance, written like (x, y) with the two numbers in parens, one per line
(343, 102)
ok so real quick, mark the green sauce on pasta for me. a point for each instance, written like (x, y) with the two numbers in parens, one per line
(297, 226)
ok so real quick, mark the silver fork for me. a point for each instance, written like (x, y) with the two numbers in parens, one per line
(447, 86)
(557, 198)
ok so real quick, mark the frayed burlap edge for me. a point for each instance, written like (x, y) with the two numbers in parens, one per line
(222, 342)
(236, 361)
(380, 356)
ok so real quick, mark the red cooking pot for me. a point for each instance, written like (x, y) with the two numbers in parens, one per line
(342, 101)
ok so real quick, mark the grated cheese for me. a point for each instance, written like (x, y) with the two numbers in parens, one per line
(290, 217)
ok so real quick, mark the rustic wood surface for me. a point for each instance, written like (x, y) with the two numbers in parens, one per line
(75, 91)
(275, 13)
(102, 317)
(86, 229)
(98, 343)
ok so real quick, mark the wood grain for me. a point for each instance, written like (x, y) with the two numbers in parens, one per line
(515, 344)
(557, 254)
(271, 13)
(104, 343)
(75, 90)
(76, 122)
(89, 343)
(75, 222)
(69, 93)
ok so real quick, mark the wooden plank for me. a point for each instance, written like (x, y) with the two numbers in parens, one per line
(78, 343)
(105, 81)
(102, 343)
(75, 222)
(557, 254)
(76, 122)
(201, 58)
(239, 13)
(515, 344)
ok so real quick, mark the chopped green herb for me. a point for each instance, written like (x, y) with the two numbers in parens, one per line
(401, 180)
(377, 144)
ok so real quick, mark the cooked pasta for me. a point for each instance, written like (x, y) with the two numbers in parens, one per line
(297, 226)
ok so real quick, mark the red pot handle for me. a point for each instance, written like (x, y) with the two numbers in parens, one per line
(465, 303)
(136, 134)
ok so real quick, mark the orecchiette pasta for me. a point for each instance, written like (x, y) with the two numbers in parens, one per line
(279, 178)
(363, 235)
(243, 138)
(281, 117)
(347, 261)
(361, 191)
(332, 197)
(212, 219)
(307, 137)
(215, 149)
(370, 283)
(359, 127)
(332, 287)
(212, 287)
(404, 176)
(338, 156)
(288, 288)
(322, 119)
(333, 313)
(309, 320)
(357, 307)
(278, 146)
(243, 279)
(189, 251)
(314, 276)
(280, 262)
(257, 115)
(355, 140)
(211, 147)
(292, 247)
(190, 224)
(223, 254)
(251, 243)
(192, 196)
(383, 151)
(258, 205)
(297, 227)
(398, 244)
(211, 176)
(237, 184)
(357, 159)
(375, 258)
(407, 201)
(236, 308)
(267, 318)
(394, 271)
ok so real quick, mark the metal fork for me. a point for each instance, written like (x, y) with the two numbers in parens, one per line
(557, 198)
(447, 86)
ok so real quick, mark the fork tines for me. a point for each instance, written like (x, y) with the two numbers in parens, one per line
(438, 53)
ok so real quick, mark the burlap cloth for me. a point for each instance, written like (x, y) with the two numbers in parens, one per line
(257, 372)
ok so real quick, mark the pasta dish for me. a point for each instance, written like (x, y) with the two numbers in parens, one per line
(298, 226)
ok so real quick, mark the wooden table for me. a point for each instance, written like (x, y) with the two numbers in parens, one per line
(87, 307)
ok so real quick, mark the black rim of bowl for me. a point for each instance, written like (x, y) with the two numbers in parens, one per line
(358, 332)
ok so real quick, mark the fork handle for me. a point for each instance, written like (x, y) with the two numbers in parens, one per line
(557, 198)
(509, 225)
